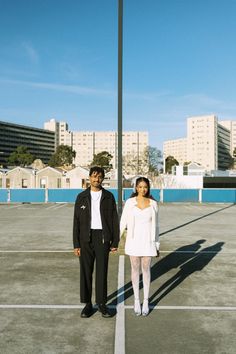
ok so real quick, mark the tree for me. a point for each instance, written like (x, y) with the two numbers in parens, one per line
(21, 157)
(169, 162)
(149, 162)
(233, 159)
(102, 159)
(155, 162)
(63, 156)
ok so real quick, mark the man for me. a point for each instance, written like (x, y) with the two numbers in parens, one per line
(95, 234)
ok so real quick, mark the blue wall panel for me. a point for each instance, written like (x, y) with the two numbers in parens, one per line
(3, 195)
(180, 195)
(127, 193)
(63, 195)
(115, 193)
(69, 195)
(219, 195)
(27, 195)
(156, 194)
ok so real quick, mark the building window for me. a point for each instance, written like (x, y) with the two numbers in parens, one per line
(8, 183)
(68, 182)
(59, 183)
(24, 183)
(42, 182)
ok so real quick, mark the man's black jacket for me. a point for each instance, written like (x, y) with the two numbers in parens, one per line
(82, 218)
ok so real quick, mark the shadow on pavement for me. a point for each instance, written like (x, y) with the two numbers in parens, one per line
(194, 220)
(195, 264)
(188, 258)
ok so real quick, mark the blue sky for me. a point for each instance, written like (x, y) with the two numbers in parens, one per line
(58, 59)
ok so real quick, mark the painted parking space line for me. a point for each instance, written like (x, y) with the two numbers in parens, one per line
(120, 317)
(198, 308)
(14, 206)
(55, 206)
(36, 251)
(125, 307)
(71, 250)
(45, 306)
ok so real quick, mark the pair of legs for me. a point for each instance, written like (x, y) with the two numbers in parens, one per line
(145, 264)
(95, 250)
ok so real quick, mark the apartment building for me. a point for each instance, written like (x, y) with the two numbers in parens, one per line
(231, 126)
(88, 143)
(40, 142)
(62, 135)
(208, 143)
(202, 141)
(176, 148)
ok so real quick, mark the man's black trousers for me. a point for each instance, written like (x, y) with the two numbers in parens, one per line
(94, 251)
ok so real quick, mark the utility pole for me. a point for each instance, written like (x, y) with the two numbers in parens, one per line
(120, 96)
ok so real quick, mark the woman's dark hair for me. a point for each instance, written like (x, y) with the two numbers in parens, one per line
(138, 180)
(97, 169)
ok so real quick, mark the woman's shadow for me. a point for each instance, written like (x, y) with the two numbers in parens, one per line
(195, 264)
(173, 260)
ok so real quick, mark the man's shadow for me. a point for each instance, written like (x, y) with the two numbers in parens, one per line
(164, 265)
(196, 263)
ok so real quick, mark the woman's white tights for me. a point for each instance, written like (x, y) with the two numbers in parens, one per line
(145, 263)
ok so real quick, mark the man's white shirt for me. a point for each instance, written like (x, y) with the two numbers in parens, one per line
(96, 222)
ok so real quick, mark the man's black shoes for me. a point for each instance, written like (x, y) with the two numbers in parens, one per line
(104, 310)
(87, 310)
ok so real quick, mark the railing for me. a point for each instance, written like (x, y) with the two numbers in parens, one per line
(206, 195)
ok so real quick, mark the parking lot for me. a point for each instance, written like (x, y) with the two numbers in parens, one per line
(192, 297)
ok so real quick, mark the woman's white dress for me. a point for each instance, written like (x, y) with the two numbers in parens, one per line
(141, 244)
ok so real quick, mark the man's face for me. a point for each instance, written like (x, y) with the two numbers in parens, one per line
(96, 180)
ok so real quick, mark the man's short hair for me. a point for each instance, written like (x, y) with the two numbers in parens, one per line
(97, 169)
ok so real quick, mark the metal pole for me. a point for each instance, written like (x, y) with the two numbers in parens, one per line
(120, 57)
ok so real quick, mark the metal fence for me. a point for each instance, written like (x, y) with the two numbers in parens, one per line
(206, 195)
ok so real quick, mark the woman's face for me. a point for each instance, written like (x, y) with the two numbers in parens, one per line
(142, 188)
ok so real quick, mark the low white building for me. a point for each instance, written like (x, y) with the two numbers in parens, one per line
(20, 177)
(78, 177)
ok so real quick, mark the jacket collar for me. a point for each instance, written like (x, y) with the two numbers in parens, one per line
(88, 195)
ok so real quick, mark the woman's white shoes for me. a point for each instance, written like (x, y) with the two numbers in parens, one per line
(145, 308)
(137, 308)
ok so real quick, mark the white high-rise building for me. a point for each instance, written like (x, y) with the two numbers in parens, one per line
(230, 125)
(202, 141)
(208, 143)
(88, 143)
(176, 148)
(62, 135)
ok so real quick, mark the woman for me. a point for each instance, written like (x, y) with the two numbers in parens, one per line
(140, 216)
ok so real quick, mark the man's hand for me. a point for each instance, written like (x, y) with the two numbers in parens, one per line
(77, 251)
(113, 250)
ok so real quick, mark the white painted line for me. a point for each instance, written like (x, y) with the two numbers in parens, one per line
(41, 306)
(208, 308)
(58, 206)
(14, 206)
(191, 308)
(69, 251)
(120, 317)
(198, 252)
(60, 307)
(37, 251)
(54, 206)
